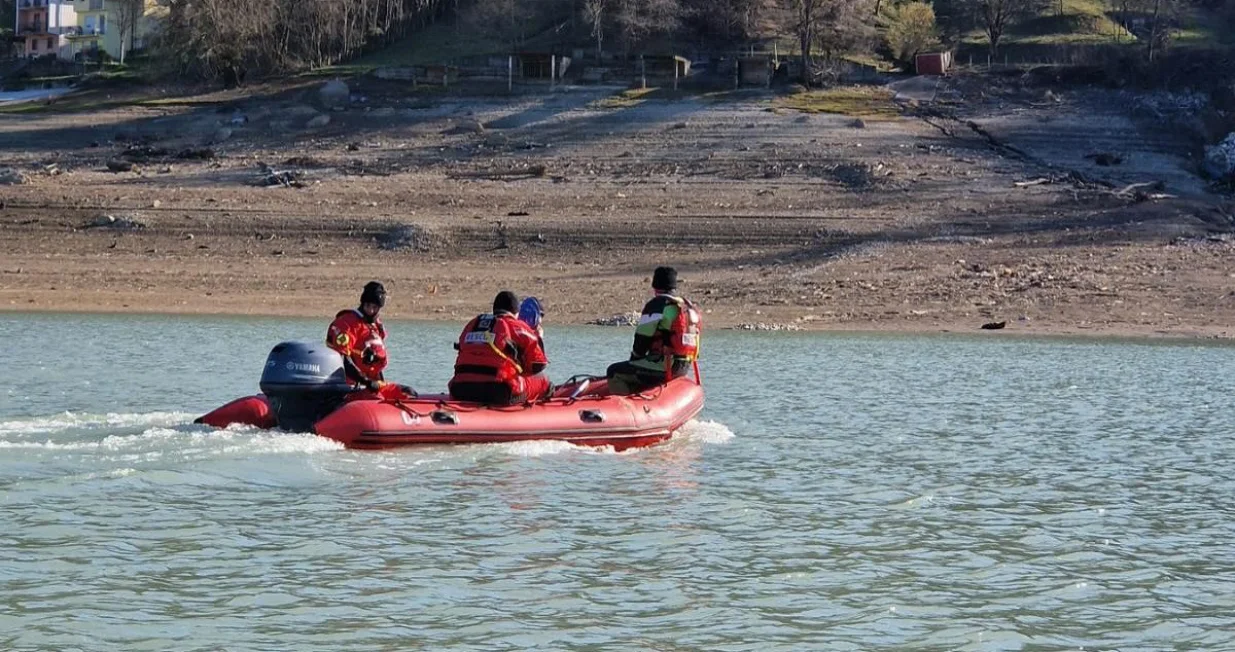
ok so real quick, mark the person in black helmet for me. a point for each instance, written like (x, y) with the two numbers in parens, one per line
(501, 359)
(666, 339)
(358, 335)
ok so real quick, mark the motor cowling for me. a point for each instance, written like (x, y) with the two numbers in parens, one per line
(303, 381)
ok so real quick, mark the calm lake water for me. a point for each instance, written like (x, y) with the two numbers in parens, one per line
(839, 492)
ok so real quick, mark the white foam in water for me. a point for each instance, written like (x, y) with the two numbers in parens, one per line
(69, 421)
(538, 447)
(268, 443)
(705, 432)
(163, 432)
(702, 432)
(171, 431)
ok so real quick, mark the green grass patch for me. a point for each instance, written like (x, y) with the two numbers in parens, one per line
(1201, 29)
(629, 98)
(1082, 22)
(54, 79)
(102, 99)
(878, 63)
(635, 96)
(866, 102)
(341, 70)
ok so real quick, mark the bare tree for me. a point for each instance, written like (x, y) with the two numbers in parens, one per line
(723, 22)
(126, 13)
(507, 21)
(7, 23)
(637, 20)
(831, 26)
(1160, 19)
(594, 14)
(996, 16)
(226, 39)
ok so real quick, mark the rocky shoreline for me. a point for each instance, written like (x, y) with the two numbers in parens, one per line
(992, 210)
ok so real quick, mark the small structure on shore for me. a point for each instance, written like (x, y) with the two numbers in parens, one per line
(662, 68)
(545, 66)
(755, 70)
(932, 63)
(665, 66)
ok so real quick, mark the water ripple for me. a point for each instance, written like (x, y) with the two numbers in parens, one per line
(915, 493)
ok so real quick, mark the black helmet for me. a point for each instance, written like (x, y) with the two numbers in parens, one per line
(374, 293)
(665, 279)
(506, 301)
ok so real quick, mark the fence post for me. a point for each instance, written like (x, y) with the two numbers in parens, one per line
(675, 73)
(510, 73)
(643, 73)
(552, 71)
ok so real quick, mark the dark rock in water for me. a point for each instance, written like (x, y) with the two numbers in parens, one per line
(120, 165)
(994, 326)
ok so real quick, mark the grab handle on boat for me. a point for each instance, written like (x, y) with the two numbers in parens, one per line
(580, 389)
(444, 418)
(591, 416)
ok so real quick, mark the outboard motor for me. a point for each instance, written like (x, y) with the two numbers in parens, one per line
(303, 381)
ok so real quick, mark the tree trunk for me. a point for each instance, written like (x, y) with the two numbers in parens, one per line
(1153, 31)
(806, 38)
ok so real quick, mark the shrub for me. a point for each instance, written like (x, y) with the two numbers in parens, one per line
(912, 30)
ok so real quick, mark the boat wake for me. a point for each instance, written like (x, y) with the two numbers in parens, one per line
(69, 421)
(694, 433)
(705, 432)
(154, 435)
(149, 436)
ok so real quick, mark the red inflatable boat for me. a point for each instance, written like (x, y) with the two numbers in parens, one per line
(303, 391)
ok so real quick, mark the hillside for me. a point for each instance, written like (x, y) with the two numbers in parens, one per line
(1070, 31)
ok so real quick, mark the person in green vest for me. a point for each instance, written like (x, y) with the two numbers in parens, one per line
(666, 340)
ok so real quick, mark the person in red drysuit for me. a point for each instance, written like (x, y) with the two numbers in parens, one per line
(501, 359)
(358, 335)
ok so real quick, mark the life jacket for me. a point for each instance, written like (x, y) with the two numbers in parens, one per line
(351, 334)
(682, 341)
(487, 352)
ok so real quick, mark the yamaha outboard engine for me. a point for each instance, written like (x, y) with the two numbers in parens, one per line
(303, 381)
